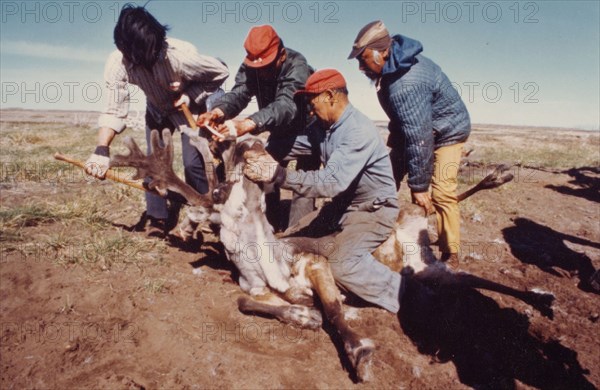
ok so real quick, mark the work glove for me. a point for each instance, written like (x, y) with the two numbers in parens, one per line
(97, 164)
(261, 167)
(183, 99)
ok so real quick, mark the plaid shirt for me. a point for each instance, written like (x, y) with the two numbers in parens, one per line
(199, 75)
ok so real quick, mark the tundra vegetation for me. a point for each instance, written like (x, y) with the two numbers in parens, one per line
(65, 258)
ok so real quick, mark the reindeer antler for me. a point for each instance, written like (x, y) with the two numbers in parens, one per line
(158, 166)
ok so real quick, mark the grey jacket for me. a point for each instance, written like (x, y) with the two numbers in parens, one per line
(357, 170)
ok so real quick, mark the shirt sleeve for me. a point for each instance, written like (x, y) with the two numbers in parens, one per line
(201, 74)
(234, 101)
(344, 166)
(283, 109)
(116, 93)
(412, 110)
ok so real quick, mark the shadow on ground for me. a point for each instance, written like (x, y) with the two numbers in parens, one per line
(587, 181)
(490, 346)
(544, 247)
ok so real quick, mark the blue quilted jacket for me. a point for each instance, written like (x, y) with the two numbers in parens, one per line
(425, 110)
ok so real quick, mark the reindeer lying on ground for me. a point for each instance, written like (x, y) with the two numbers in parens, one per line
(280, 275)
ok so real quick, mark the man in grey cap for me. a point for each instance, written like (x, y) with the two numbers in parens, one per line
(429, 124)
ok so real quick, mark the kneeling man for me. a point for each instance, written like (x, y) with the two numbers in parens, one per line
(357, 175)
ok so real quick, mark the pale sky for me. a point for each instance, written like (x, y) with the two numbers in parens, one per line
(534, 63)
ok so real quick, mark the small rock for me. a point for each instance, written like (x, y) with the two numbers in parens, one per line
(197, 271)
(416, 371)
(594, 317)
(72, 347)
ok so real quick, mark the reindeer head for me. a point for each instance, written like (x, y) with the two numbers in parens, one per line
(158, 166)
(247, 192)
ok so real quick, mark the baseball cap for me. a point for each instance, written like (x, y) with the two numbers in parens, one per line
(262, 45)
(322, 80)
(374, 35)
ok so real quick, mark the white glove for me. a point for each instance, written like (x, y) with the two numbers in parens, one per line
(183, 99)
(97, 165)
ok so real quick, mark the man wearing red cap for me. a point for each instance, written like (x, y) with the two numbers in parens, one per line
(357, 175)
(429, 124)
(272, 73)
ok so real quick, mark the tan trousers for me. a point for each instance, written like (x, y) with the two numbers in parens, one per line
(443, 195)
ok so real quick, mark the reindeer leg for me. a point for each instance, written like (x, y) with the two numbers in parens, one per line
(441, 277)
(268, 303)
(493, 180)
(359, 350)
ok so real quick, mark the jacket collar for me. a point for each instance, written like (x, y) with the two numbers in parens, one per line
(347, 112)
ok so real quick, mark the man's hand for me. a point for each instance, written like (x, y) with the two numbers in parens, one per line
(242, 127)
(211, 117)
(423, 199)
(260, 166)
(97, 165)
(183, 99)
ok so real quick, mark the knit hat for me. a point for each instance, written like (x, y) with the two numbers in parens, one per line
(374, 36)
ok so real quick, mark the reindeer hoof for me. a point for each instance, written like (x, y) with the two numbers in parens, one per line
(361, 357)
(303, 317)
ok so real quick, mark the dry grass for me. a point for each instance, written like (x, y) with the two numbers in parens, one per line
(46, 204)
(539, 148)
(55, 201)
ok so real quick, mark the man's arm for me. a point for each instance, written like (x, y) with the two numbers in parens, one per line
(112, 120)
(105, 136)
(345, 165)
(411, 107)
(234, 101)
(283, 109)
(202, 74)
(117, 94)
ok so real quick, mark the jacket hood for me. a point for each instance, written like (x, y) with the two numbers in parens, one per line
(402, 54)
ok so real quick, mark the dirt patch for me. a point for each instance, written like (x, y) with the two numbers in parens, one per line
(160, 316)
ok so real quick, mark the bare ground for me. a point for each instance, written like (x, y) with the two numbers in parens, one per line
(149, 314)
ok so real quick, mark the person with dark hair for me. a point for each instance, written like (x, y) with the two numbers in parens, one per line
(357, 175)
(429, 124)
(170, 72)
(272, 73)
